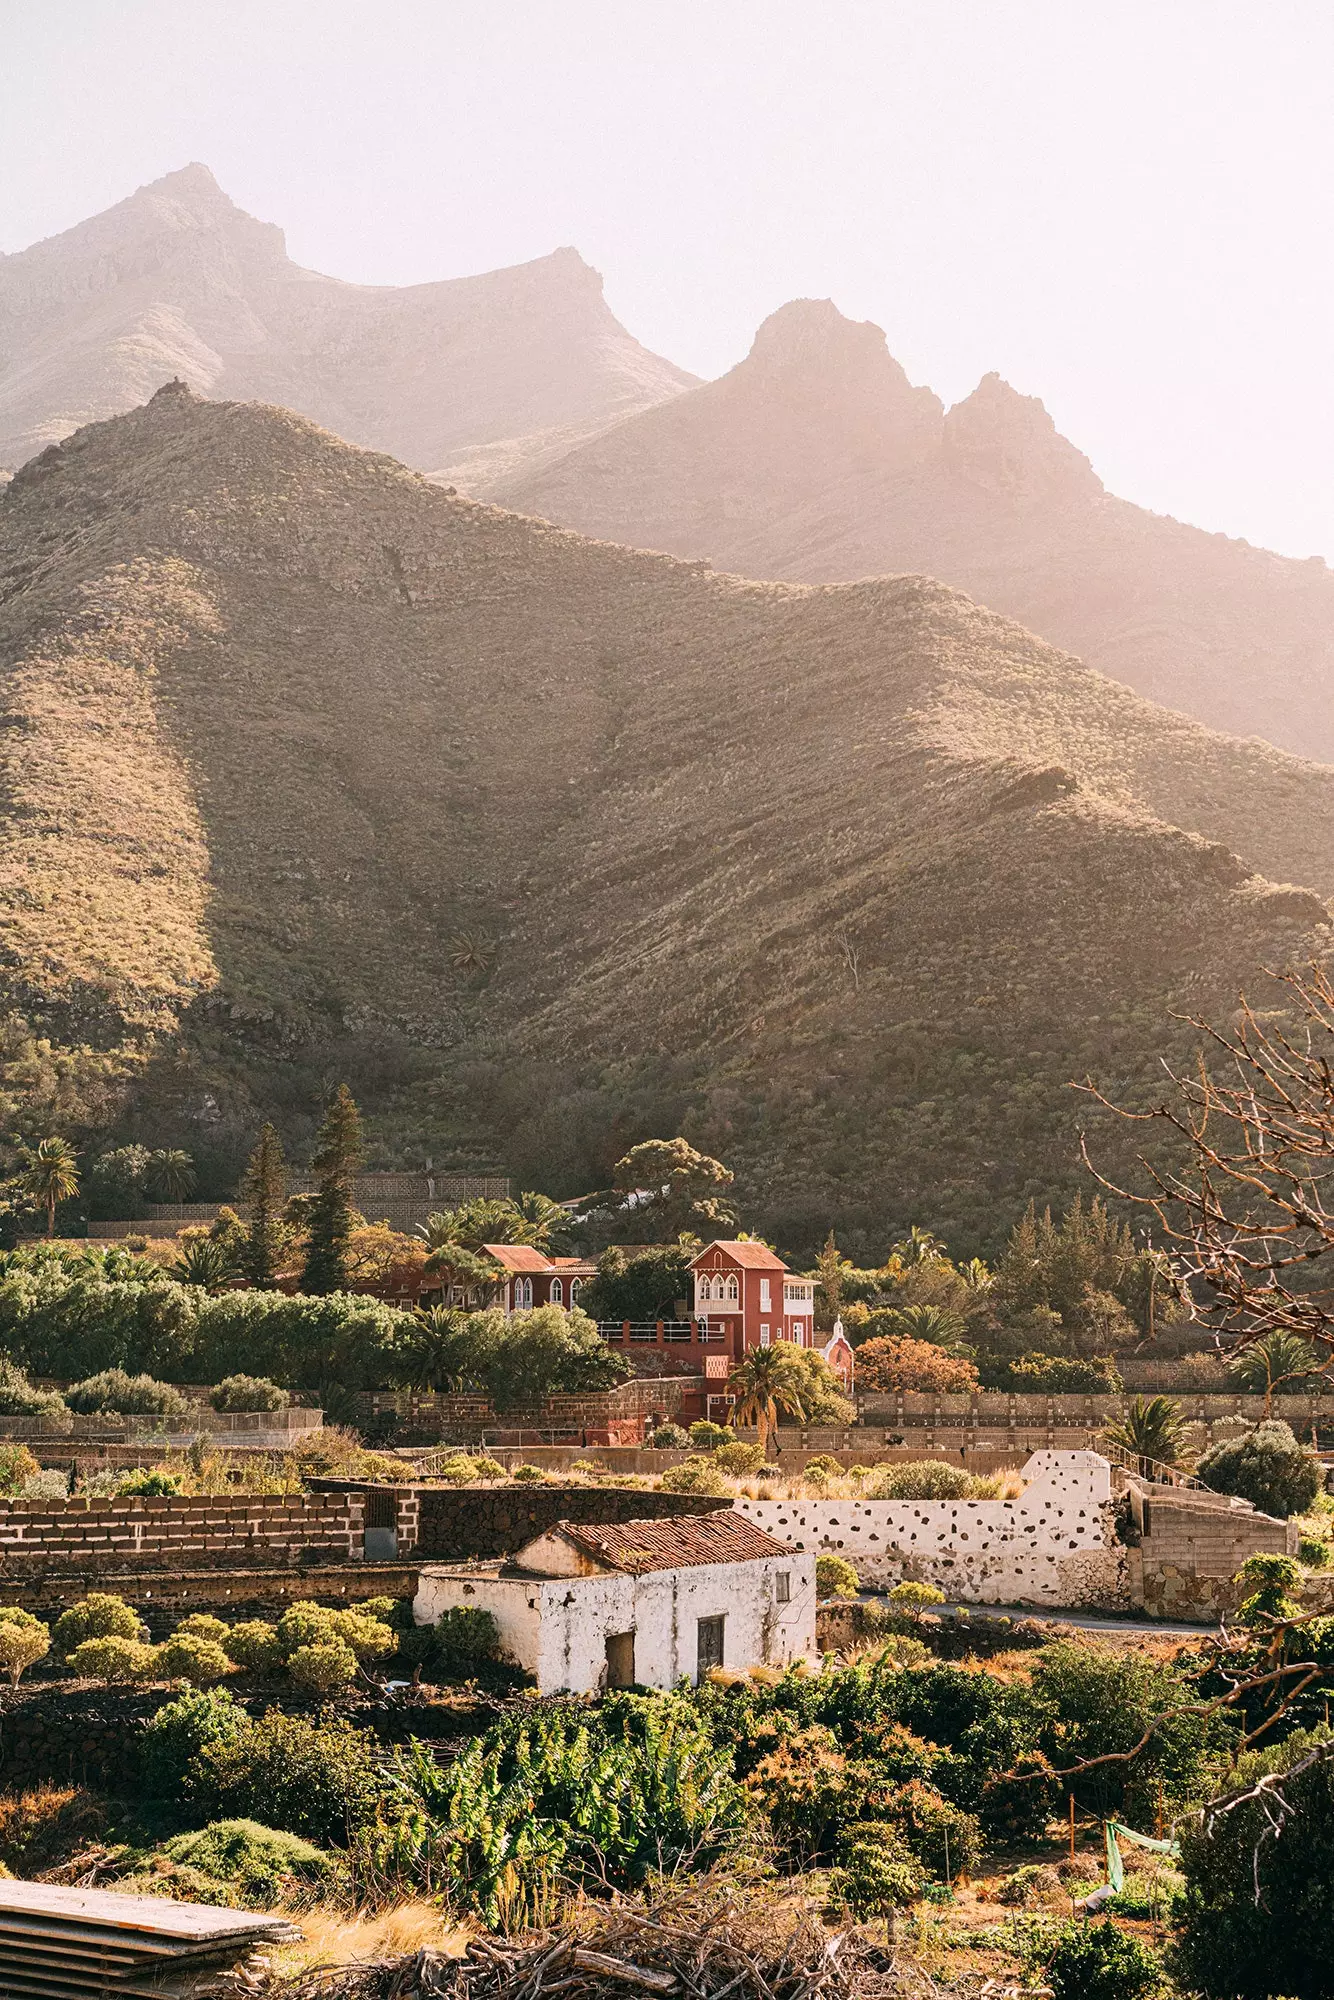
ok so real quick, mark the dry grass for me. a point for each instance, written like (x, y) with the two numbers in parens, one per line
(336, 1937)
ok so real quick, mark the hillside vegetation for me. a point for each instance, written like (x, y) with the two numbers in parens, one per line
(815, 460)
(312, 770)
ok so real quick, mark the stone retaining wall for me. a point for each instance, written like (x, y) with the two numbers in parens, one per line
(264, 1531)
(162, 1596)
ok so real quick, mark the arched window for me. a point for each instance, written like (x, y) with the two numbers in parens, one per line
(732, 1292)
(576, 1286)
(557, 1292)
(523, 1294)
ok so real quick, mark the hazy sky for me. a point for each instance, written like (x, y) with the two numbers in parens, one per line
(1125, 207)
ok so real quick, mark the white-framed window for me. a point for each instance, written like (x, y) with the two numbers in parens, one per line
(576, 1286)
(764, 1333)
(764, 1295)
(523, 1294)
(557, 1292)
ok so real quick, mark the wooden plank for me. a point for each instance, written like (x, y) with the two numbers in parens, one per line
(151, 1916)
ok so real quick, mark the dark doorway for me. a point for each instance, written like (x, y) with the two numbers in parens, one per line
(381, 1525)
(710, 1652)
(620, 1659)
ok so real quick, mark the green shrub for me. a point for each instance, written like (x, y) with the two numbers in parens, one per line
(923, 1479)
(738, 1460)
(17, 1467)
(125, 1395)
(314, 1778)
(368, 1638)
(489, 1468)
(694, 1475)
(1256, 1909)
(388, 1610)
(326, 1668)
(248, 1393)
(707, 1437)
(113, 1659)
(670, 1437)
(878, 1873)
(821, 1469)
(203, 1625)
(946, 1838)
(173, 1739)
(1025, 1885)
(1268, 1467)
(19, 1398)
(912, 1599)
(1094, 1702)
(261, 1863)
(465, 1640)
(304, 1623)
(1100, 1962)
(460, 1470)
(835, 1578)
(154, 1484)
(254, 1646)
(528, 1475)
(1274, 1577)
(97, 1616)
(187, 1656)
(1313, 1552)
(23, 1641)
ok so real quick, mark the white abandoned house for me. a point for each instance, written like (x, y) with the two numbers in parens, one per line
(1082, 1533)
(650, 1602)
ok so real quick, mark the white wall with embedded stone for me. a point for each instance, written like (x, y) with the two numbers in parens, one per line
(1055, 1545)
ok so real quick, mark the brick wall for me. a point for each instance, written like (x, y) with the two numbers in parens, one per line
(163, 1596)
(181, 1533)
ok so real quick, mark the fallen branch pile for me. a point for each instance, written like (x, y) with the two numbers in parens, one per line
(703, 1944)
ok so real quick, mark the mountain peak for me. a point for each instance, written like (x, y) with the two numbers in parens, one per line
(809, 345)
(1001, 439)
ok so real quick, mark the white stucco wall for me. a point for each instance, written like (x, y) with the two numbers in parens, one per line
(1054, 1545)
(557, 1628)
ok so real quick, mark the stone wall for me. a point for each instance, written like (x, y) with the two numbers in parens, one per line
(458, 1522)
(1063, 1422)
(1191, 1545)
(161, 1596)
(255, 1531)
(1054, 1545)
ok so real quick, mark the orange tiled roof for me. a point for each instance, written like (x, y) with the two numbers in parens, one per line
(518, 1256)
(750, 1256)
(681, 1541)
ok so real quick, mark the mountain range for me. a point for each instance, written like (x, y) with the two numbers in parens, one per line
(177, 281)
(815, 460)
(312, 770)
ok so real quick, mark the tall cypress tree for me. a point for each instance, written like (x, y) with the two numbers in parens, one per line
(264, 1196)
(336, 1159)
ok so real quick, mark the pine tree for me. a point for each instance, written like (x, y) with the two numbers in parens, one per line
(336, 1159)
(264, 1195)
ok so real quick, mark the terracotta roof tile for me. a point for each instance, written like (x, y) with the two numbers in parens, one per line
(518, 1256)
(682, 1541)
(751, 1256)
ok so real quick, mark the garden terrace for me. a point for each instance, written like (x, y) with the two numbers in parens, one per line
(1065, 1421)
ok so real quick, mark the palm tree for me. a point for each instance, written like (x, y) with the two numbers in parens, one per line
(1150, 1431)
(49, 1173)
(765, 1383)
(203, 1262)
(171, 1174)
(434, 1358)
(538, 1220)
(1276, 1358)
(919, 1246)
(937, 1324)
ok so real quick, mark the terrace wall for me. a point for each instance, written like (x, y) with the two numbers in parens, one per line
(179, 1532)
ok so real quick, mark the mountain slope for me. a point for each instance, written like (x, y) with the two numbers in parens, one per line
(815, 461)
(849, 881)
(178, 281)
